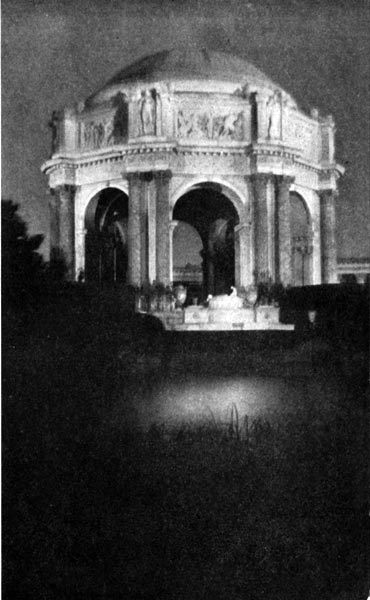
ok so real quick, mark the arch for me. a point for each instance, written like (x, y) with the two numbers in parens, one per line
(106, 238)
(238, 199)
(186, 258)
(302, 239)
(85, 201)
(214, 216)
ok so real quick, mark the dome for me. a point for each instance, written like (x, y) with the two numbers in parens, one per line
(190, 63)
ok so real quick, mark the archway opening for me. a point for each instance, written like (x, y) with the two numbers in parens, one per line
(302, 248)
(187, 261)
(106, 255)
(213, 216)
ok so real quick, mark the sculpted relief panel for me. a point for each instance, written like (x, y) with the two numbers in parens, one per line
(94, 135)
(203, 124)
(98, 132)
(301, 132)
(144, 114)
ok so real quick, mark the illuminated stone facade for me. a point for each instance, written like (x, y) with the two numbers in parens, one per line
(181, 121)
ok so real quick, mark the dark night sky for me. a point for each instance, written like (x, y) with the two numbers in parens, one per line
(56, 52)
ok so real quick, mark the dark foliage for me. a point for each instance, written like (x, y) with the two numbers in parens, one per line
(23, 268)
(94, 508)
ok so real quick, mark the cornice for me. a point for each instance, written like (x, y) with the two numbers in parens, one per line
(210, 150)
(87, 160)
(273, 150)
(80, 161)
(332, 168)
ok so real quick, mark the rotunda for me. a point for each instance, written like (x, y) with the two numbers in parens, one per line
(196, 155)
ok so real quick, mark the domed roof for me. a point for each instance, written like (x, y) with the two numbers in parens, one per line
(189, 63)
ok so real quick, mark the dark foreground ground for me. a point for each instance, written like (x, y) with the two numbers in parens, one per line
(250, 509)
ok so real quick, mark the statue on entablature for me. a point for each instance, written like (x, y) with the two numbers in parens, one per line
(274, 116)
(147, 113)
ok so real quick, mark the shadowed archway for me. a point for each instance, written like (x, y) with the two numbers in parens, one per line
(106, 237)
(302, 247)
(214, 217)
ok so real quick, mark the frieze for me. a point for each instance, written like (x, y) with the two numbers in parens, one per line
(204, 125)
(211, 163)
(95, 133)
(302, 134)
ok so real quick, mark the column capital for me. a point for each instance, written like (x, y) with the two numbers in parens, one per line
(284, 180)
(163, 175)
(243, 226)
(328, 193)
(146, 176)
(63, 188)
(137, 176)
(260, 177)
(173, 225)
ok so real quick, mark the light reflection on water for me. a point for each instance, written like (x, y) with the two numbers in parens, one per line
(191, 398)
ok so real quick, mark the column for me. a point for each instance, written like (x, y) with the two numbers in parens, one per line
(260, 183)
(210, 269)
(80, 234)
(316, 245)
(66, 244)
(54, 224)
(284, 241)
(162, 180)
(145, 181)
(134, 224)
(328, 245)
(151, 203)
(173, 225)
(243, 255)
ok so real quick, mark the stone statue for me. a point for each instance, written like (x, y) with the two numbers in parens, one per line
(118, 130)
(225, 301)
(274, 116)
(98, 135)
(147, 113)
(87, 134)
(182, 124)
(204, 125)
(54, 126)
(229, 126)
(108, 133)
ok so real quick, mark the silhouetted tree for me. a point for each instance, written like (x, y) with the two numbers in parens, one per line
(56, 269)
(23, 267)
